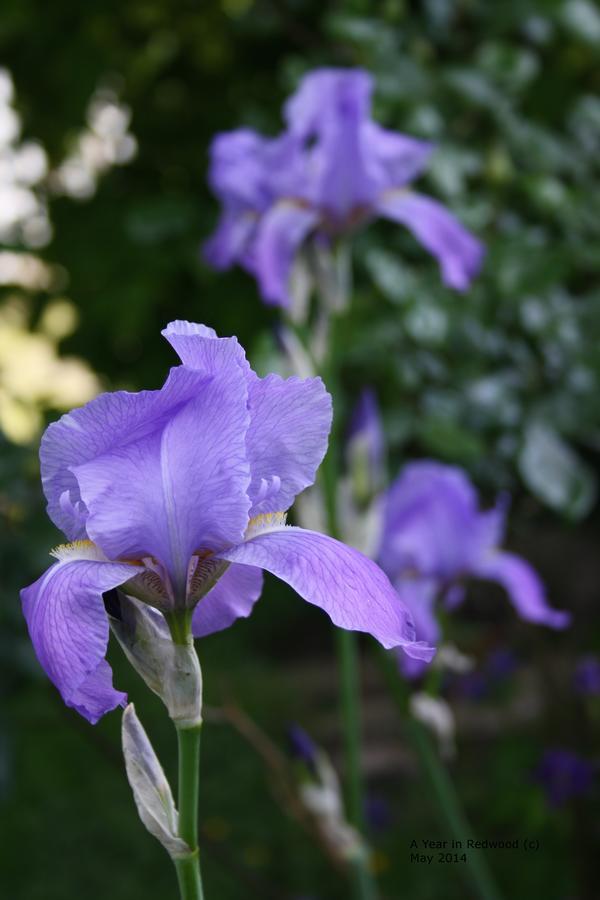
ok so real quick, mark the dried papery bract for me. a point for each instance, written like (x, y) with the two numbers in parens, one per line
(150, 787)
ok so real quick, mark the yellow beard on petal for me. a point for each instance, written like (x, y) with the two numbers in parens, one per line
(78, 550)
(265, 522)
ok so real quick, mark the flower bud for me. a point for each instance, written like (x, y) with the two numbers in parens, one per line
(438, 717)
(151, 790)
(170, 670)
(365, 449)
(321, 797)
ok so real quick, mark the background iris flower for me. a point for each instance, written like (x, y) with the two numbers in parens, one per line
(331, 171)
(563, 775)
(178, 495)
(435, 536)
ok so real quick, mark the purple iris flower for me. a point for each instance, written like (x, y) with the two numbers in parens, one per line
(178, 497)
(587, 675)
(331, 171)
(435, 536)
(563, 775)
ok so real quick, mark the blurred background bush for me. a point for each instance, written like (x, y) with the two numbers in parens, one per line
(106, 114)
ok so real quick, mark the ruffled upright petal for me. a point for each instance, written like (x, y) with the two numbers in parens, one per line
(290, 420)
(180, 489)
(333, 106)
(524, 588)
(69, 631)
(199, 348)
(459, 254)
(233, 597)
(108, 422)
(350, 588)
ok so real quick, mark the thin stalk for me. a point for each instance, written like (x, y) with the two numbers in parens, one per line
(188, 867)
(448, 803)
(348, 668)
(347, 653)
(188, 785)
(362, 881)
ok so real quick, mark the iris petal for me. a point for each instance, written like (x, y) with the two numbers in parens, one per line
(524, 588)
(231, 239)
(289, 428)
(419, 594)
(350, 588)
(69, 631)
(108, 422)
(333, 106)
(458, 253)
(233, 597)
(178, 490)
(280, 233)
(199, 348)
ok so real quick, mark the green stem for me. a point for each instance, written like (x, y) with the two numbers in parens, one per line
(188, 754)
(180, 625)
(188, 867)
(348, 662)
(448, 802)
(363, 883)
(188, 877)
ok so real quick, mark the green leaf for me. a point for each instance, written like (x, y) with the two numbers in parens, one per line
(554, 472)
(447, 439)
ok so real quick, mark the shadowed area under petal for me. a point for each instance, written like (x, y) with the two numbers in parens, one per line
(233, 597)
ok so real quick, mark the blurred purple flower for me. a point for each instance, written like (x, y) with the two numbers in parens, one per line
(301, 746)
(178, 496)
(587, 675)
(563, 775)
(330, 172)
(435, 536)
(378, 813)
(497, 668)
(365, 447)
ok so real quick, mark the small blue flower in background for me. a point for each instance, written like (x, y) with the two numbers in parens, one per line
(495, 671)
(563, 775)
(587, 676)
(301, 746)
(330, 172)
(378, 813)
